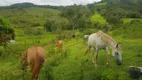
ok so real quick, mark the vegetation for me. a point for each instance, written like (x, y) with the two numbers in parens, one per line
(40, 25)
(5, 26)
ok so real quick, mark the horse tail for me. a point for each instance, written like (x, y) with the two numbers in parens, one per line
(41, 59)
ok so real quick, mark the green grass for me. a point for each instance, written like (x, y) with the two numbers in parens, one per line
(98, 18)
(30, 17)
(76, 68)
(128, 20)
(72, 64)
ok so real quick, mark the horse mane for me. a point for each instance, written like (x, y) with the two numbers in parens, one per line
(105, 37)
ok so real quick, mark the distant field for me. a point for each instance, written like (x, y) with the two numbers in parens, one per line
(101, 4)
(32, 16)
(128, 20)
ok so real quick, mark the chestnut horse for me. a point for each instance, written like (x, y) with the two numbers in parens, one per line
(59, 45)
(34, 57)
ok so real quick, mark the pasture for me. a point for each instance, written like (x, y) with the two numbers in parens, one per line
(70, 64)
(40, 26)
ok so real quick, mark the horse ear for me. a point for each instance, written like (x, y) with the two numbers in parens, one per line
(117, 45)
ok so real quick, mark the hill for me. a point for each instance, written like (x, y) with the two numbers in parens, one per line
(24, 4)
(115, 10)
(31, 16)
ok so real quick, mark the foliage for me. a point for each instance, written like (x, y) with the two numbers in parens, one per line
(77, 16)
(39, 30)
(97, 18)
(5, 26)
(48, 25)
(56, 26)
(115, 10)
(130, 20)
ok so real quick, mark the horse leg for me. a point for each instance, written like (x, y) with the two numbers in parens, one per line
(107, 53)
(97, 51)
(93, 58)
(37, 71)
(34, 72)
(5, 46)
(87, 52)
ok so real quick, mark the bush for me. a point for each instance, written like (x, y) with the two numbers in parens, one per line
(34, 31)
(6, 28)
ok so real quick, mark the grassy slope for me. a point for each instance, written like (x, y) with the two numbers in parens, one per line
(22, 17)
(9, 60)
(75, 67)
(128, 20)
(101, 4)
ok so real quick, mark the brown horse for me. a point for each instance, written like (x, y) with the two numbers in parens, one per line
(34, 57)
(59, 45)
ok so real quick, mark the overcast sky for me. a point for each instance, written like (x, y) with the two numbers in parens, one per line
(48, 2)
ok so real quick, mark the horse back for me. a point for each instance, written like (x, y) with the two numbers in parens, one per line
(59, 43)
(35, 52)
(95, 40)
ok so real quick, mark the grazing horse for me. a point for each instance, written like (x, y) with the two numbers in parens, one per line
(99, 41)
(59, 45)
(34, 57)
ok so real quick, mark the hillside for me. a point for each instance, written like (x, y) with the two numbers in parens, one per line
(115, 10)
(24, 4)
(31, 16)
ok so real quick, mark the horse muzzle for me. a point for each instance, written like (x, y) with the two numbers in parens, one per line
(119, 62)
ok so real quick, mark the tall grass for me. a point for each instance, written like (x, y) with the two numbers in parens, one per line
(70, 64)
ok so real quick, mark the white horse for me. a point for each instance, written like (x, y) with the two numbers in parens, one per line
(13, 42)
(100, 41)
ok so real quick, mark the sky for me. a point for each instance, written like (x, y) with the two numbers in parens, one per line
(48, 2)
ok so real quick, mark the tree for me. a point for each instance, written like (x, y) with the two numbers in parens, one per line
(48, 25)
(6, 32)
(77, 16)
(5, 27)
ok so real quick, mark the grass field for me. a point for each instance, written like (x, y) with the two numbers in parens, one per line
(32, 16)
(70, 64)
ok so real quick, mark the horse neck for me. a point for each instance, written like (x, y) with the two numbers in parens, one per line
(112, 44)
(109, 41)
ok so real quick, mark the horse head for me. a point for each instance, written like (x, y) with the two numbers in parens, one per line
(117, 54)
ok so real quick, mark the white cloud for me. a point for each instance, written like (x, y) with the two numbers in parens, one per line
(48, 2)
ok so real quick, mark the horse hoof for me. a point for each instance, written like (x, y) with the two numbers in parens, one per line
(96, 65)
(107, 64)
(93, 63)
